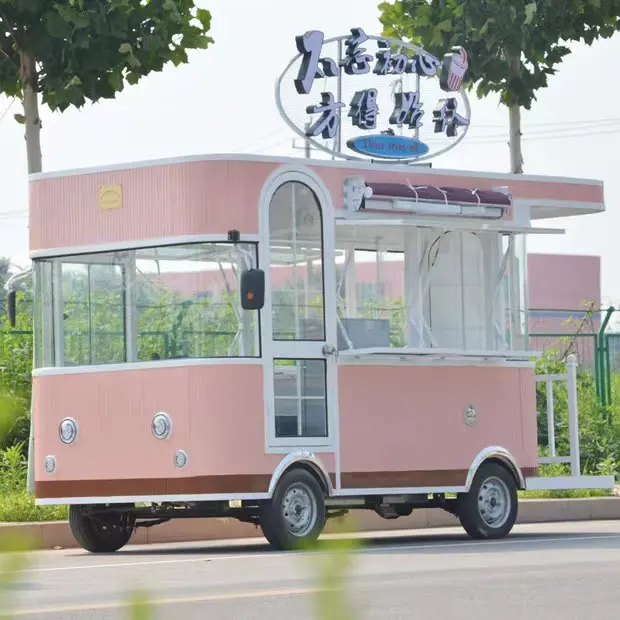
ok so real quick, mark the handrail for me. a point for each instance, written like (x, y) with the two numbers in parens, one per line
(570, 376)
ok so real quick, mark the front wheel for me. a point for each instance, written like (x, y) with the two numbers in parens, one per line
(489, 509)
(101, 533)
(295, 516)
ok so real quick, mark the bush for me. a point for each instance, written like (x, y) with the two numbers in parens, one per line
(16, 504)
(599, 428)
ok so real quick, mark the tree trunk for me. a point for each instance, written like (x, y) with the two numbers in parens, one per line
(31, 113)
(514, 112)
(516, 155)
(32, 123)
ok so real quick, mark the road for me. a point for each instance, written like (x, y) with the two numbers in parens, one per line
(559, 571)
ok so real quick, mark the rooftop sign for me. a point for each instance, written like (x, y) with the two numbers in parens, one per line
(364, 95)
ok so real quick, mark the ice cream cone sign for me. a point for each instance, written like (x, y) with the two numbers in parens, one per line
(454, 69)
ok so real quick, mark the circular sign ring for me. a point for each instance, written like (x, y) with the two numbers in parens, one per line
(371, 37)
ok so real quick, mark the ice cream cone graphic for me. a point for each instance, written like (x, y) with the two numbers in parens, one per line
(453, 71)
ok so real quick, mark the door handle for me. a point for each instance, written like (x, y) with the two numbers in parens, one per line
(329, 349)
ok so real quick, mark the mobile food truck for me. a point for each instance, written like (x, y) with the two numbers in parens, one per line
(279, 340)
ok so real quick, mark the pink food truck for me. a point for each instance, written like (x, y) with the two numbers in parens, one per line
(271, 388)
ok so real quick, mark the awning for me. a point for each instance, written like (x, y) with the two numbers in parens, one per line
(443, 195)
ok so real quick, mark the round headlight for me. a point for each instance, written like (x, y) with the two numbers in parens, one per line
(180, 459)
(68, 430)
(161, 426)
(50, 464)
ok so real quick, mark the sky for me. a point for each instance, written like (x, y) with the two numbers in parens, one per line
(223, 102)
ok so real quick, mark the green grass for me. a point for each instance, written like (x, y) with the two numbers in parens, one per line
(16, 504)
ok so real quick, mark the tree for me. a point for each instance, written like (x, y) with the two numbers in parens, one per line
(513, 45)
(71, 51)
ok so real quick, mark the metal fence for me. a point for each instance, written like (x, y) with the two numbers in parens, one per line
(597, 352)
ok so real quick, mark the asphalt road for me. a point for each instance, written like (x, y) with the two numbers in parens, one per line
(559, 571)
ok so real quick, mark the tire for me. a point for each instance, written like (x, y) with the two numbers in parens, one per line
(104, 533)
(295, 516)
(489, 509)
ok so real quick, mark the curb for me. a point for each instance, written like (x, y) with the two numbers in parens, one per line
(56, 534)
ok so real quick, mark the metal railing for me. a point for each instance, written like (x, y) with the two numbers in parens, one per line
(570, 377)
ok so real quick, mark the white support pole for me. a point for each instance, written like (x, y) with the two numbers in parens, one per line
(59, 317)
(550, 418)
(379, 278)
(498, 308)
(573, 415)
(130, 274)
(351, 284)
(414, 303)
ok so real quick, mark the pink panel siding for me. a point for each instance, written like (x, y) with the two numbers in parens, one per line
(217, 414)
(192, 198)
(529, 424)
(212, 197)
(410, 418)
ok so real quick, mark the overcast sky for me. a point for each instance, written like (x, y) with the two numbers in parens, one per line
(206, 107)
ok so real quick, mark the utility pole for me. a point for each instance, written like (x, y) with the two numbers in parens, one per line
(307, 147)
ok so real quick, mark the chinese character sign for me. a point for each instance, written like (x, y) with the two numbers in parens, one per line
(370, 65)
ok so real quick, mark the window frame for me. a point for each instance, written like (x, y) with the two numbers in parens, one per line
(52, 309)
(499, 251)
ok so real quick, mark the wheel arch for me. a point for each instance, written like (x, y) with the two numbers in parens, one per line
(501, 456)
(302, 460)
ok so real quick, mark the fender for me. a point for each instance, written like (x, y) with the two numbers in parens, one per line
(307, 458)
(500, 454)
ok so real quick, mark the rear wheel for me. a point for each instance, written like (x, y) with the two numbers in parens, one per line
(489, 509)
(101, 533)
(295, 517)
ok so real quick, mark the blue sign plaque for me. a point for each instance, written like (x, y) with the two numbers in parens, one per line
(386, 146)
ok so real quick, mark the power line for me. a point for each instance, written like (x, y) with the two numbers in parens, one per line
(564, 122)
(6, 111)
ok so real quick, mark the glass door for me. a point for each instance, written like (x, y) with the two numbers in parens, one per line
(300, 323)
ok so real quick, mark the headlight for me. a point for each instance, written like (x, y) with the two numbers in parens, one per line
(180, 459)
(68, 431)
(161, 426)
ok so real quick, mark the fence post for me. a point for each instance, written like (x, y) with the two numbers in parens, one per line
(573, 415)
(603, 380)
(597, 367)
(607, 372)
(550, 418)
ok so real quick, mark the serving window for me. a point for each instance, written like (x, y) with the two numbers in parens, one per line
(432, 286)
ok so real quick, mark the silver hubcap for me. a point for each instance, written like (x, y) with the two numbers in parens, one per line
(494, 502)
(299, 510)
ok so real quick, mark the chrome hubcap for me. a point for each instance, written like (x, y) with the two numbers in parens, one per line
(299, 510)
(494, 502)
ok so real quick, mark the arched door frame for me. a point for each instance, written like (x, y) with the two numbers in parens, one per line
(297, 349)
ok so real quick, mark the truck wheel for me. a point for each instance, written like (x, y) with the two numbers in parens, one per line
(295, 516)
(489, 509)
(102, 533)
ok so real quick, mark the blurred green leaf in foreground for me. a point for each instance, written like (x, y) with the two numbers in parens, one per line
(333, 556)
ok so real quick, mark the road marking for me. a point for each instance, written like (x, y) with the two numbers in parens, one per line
(373, 549)
(163, 601)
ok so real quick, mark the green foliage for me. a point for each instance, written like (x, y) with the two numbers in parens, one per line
(332, 571)
(87, 49)
(513, 45)
(16, 504)
(599, 434)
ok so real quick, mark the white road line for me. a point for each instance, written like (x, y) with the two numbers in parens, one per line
(373, 549)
